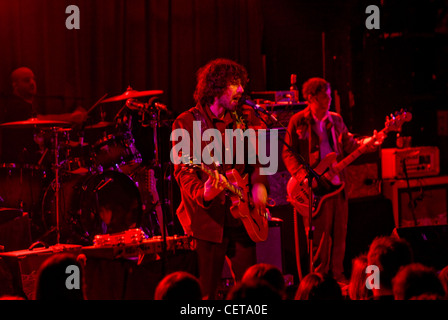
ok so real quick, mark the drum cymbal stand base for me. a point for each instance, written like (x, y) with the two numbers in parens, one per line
(57, 185)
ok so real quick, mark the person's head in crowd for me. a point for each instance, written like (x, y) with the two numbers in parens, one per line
(316, 286)
(24, 83)
(389, 254)
(269, 273)
(179, 285)
(60, 277)
(357, 289)
(443, 276)
(254, 289)
(417, 281)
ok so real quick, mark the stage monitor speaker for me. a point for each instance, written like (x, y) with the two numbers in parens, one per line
(429, 244)
(22, 267)
(423, 203)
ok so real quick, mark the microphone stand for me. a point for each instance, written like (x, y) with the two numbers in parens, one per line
(311, 175)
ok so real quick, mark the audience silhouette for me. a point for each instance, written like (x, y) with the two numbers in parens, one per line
(269, 273)
(357, 289)
(316, 286)
(419, 282)
(389, 254)
(53, 275)
(255, 289)
(179, 285)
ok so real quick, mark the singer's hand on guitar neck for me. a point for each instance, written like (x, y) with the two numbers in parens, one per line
(213, 186)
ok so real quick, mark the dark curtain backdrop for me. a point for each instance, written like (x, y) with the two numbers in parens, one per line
(145, 44)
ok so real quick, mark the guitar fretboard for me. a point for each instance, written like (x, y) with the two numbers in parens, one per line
(232, 188)
(351, 157)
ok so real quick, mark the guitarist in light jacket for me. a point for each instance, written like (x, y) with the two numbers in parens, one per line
(328, 134)
(204, 211)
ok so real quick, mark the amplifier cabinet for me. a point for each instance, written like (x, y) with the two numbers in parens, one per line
(415, 162)
(418, 202)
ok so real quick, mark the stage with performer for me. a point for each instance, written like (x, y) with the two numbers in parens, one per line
(223, 151)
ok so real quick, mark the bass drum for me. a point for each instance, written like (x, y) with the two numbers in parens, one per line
(93, 204)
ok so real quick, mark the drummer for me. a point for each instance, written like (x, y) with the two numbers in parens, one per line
(25, 145)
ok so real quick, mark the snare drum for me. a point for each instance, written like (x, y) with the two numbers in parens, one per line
(117, 152)
(77, 158)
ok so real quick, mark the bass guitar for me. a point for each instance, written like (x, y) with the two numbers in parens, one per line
(298, 188)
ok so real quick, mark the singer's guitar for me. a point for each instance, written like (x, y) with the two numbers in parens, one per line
(298, 188)
(256, 223)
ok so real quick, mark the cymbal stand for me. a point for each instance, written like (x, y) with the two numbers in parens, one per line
(154, 113)
(154, 123)
(57, 186)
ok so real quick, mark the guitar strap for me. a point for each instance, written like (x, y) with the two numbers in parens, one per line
(204, 126)
(330, 132)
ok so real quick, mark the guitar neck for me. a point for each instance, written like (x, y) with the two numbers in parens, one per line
(230, 187)
(353, 156)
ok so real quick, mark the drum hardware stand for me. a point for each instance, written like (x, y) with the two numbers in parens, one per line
(57, 187)
(55, 131)
(155, 124)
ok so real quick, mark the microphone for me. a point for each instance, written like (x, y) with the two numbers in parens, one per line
(247, 101)
(154, 101)
(136, 105)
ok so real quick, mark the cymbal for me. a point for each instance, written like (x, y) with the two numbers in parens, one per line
(132, 94)
(101, 124)
(34, 122)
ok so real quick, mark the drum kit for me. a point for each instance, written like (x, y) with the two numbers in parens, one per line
(93, 187)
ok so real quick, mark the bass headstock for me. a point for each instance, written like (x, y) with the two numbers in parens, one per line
(395, 121)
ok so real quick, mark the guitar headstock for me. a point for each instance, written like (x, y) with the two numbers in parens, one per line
(190, 162)
(395, 121)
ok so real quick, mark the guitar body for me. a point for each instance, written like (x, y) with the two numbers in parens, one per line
(256, 223)
(298, 189)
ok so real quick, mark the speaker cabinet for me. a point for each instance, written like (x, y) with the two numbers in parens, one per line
(367, 219)
(363, 181)
(279, 180)
(418, 202)
(269, 251)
